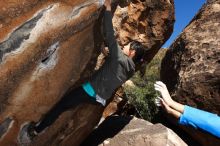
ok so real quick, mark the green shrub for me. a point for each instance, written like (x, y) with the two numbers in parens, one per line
(142, 95)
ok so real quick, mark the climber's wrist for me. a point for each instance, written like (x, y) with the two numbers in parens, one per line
(107, 5)
(108, 8)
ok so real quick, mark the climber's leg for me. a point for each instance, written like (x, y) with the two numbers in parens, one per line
(74, 98)
(71, 100)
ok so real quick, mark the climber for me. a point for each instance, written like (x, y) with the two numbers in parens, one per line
(118, 67)
(187, 115)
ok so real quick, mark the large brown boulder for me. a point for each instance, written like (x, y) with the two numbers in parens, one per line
(191, 67)
(131, 131)
(149, 22)
(44, 50)
(47, 48)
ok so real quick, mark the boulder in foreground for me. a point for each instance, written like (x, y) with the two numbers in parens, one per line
(130, 131)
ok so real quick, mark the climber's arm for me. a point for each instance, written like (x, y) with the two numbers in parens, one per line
(109, 31)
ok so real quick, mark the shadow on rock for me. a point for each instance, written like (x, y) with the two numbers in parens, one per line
(108, 129)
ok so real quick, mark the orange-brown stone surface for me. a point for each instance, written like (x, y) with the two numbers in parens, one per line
(48, 47)
(149, 22)
(44, 50)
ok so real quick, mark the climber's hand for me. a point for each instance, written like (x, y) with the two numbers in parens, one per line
(107, 4)
(105, 51)
(161, 87)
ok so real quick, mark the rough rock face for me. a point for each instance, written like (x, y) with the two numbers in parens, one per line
(192, 64)
(128, 131)
(47, 48)
(147, 21)
(191, 67)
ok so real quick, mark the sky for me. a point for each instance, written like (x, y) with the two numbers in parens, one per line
(185, 10)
